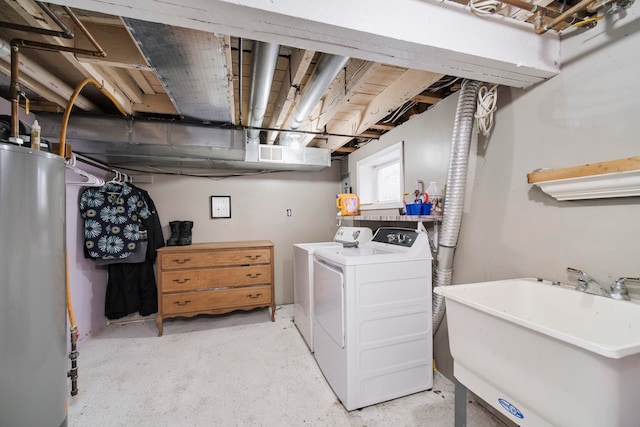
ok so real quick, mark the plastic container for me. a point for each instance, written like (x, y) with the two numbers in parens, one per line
(418, 209)
(35, 136)
(414, 208)
(435, 197)
(348, 203)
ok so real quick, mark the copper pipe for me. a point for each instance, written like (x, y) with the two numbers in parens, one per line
(29, 29)
(86, 33)
(523, 5)
(565, 15)
(15, 91)
(57, 48)
(72, 99)
(66, 32)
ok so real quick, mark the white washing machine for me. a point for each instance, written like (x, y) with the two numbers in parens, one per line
(372, 326)
(303, 275)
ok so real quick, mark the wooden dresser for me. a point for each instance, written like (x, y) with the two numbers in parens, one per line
(214, 278)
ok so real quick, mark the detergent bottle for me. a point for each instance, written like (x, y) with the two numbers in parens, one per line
(348, 203)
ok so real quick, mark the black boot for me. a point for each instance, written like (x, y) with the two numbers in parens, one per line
(185, 233)
(175, 233)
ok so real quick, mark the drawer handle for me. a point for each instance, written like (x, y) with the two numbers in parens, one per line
(254, 296)
(254, 275)
(181, 303)
(253, 257)
(182, 261)
(181, 281)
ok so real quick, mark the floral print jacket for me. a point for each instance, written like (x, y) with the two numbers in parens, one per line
(111, 215)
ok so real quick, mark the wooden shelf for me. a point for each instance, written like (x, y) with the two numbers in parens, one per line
(615, 178)
(600, 168)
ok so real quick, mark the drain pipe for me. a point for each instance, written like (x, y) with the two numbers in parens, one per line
(263, 66)
(325, 73)
(454, 202)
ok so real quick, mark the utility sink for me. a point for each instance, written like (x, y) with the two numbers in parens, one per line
(546, 354)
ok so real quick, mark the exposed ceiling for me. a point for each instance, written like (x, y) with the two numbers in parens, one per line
(172, 76)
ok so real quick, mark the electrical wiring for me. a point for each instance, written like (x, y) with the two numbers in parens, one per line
(486, 106)
(485, 7)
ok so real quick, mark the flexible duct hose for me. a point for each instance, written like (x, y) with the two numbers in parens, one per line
(456, 185)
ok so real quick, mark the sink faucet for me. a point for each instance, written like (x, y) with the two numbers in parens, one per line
(619, 289)
(585, 281)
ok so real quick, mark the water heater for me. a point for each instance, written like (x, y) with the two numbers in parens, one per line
(33, 372)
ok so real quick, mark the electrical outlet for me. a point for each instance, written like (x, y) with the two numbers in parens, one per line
(289, 212)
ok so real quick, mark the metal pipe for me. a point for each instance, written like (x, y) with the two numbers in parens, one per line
(456, 185)
(57, 48)
(565, 15)
(240, 49)
(14, 91)
(66, 32)
(263, 67)
(100, 52)
(325, 73)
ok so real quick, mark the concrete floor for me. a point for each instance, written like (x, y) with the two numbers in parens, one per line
(238, 369)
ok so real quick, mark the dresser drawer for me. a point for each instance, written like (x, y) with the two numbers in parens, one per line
(175, 281)
(214, 258)
(201, 301)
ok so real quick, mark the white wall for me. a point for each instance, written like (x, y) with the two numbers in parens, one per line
(258, 211)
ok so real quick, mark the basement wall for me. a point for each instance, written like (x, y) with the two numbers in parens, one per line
(259, 206)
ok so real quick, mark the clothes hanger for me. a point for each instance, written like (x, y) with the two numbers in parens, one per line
(92, 180)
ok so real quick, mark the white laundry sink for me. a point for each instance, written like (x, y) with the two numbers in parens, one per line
(546, 355)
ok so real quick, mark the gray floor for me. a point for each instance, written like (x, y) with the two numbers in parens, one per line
(238, 369)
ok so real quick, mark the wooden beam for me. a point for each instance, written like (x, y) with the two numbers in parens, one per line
(382, 126)
(142, 82)
(600, 168)
(426, 99)
(159, 104)
(345, 150)
(408, 85)
(369, 135)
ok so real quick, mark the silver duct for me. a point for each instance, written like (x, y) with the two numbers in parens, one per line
(325, 73)
(456, 185)
(263, 66)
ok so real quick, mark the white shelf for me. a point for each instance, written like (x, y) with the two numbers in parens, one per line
(614, 178)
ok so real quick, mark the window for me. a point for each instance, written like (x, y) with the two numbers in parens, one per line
(380, 179)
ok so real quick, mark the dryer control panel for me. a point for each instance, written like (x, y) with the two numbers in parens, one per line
(396, 236)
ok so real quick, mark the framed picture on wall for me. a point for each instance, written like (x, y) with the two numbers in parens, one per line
(220, 207)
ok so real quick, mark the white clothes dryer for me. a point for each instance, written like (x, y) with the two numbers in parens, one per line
(372, 326)
(303, 275)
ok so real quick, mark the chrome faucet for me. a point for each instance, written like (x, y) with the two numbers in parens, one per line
(585, 281)
(619, 289)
